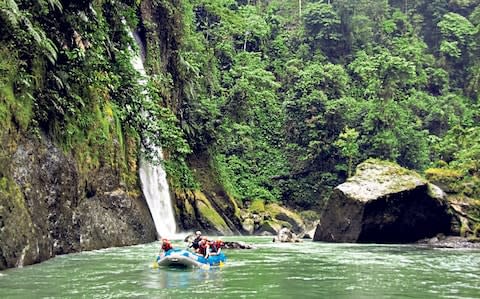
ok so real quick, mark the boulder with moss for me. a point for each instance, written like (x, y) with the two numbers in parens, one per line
(383, 203)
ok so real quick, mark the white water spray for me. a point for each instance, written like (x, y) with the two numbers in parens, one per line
(155, 189)
(153, 177)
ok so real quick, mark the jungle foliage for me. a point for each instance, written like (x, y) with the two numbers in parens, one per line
(285, 96)
(302, 91)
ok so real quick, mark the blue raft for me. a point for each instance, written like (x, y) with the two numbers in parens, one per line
(183, 258)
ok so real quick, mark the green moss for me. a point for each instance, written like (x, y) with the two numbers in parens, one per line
(448, 179)
(208, 213)
(129, 175)
(272, 226)
(275, 210)
(257, 206)
(16, 229)
(235, 206)
(189, 208)
(442, 174)
(16, 108)
(5, 122)
(388, 169)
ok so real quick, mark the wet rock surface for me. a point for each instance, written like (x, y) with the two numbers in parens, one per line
(383, 203)
(285, 235)
(53, 209)
(450, 242)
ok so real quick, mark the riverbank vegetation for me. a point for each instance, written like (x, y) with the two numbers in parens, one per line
(285, 97)
(299, 92)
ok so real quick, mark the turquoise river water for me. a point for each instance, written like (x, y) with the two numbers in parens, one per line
(272, 270)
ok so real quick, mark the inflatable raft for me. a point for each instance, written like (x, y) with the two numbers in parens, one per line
(184, 258)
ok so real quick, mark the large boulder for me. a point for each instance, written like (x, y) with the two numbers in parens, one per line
(383, 203)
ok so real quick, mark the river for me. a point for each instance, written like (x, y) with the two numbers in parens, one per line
(272, 270)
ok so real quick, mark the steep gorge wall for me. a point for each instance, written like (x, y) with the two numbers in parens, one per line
(207, 207)
(49, 207)
(70, 131)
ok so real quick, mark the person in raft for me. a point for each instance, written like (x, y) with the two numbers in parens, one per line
(166, 246)
(204, 247)
(216, 247)
(198, 238)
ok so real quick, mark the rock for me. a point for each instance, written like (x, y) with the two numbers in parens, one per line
(464, 209)
(269, 226)
(284, 215)
(449, 242)
(202, 215)
(383, 203)
(248, 225)
(237, 245)
(212, 210)
(50, 206)
(444, 178)
(308, 234)
(286, 235)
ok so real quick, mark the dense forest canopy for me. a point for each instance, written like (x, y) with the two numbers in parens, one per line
(307, 89)
(286, 97)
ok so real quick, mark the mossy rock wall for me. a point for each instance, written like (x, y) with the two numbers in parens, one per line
(49, 207)
(210, 208)
(18, 242)
(194, 210)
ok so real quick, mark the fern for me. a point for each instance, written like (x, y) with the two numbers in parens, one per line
(13, 16)
(10, 12)
(46, 45)
(55, 3)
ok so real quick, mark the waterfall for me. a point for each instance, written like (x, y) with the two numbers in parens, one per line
(157, 194)
(153, 176)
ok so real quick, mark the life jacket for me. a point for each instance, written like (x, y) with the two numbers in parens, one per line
(202, 248)
(219, 244)
(166, 246)
(216, 245)
(213, 247)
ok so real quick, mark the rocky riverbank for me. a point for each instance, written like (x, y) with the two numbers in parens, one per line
(453, 242)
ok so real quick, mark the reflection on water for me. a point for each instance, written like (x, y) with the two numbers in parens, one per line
(166, 278)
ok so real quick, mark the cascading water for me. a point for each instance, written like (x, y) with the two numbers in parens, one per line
(157, 194)
(153, 176)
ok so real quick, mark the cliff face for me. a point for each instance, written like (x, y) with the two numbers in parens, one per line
(206, 206)
(49, 208)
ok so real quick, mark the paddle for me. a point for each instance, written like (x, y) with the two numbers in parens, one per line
(155, 264)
